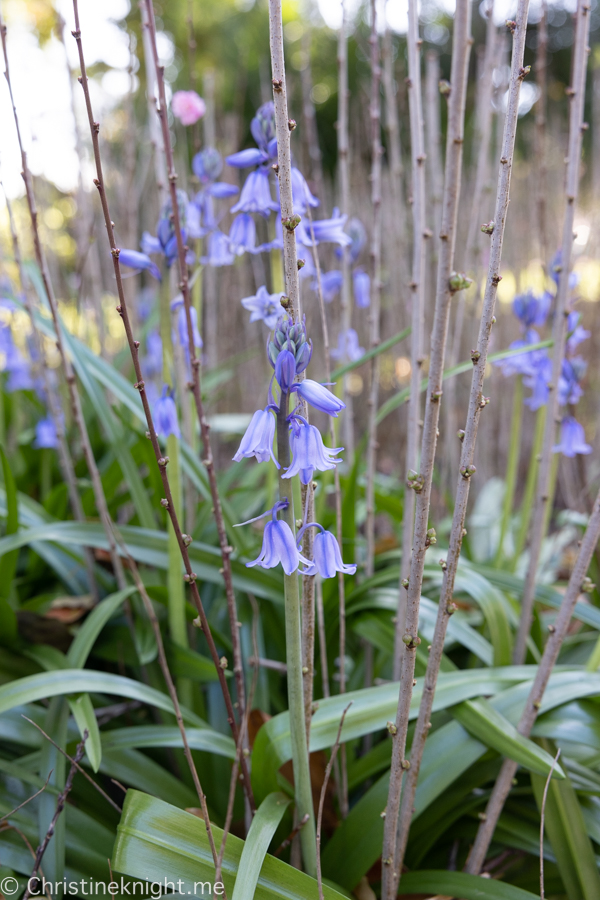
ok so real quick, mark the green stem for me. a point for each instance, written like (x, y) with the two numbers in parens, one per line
(293, 638)
(45, 472)
(512, 466)
(527, 505)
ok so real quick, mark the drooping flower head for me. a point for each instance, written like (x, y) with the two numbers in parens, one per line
(308, 451)
(165, 415)
(188, 107)
(569, 387)
(178, 306)
(165, 241)
(318, 397)
(242, 235)
(531, 309)
(279, 545)
(256, 195)
(219, 253)
(207, 166)
(327, 555)
(290, 336)
(258, 438)
(331, 283)
(45, 435)
(134, 259)
(264, 307)
(572, 438)
(361, 282)
(348, 348)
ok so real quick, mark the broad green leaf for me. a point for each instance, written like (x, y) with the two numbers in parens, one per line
(75, 681)
(85, 638)
(8, 561)
(371, 709)
(149, 547)
(156, 841)
(490, 726)
(263, 827)
(565, 827)
(139, 771)
(141, 736)
(460, 884)
(356, 844)
(83, 713)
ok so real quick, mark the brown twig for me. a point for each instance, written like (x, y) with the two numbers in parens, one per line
(60, 805)
(76, 764)
(66, 364)
(167, 502)
(194, 385)
(328, 769)
(29, 799)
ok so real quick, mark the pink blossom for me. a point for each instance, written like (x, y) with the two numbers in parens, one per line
(188, 107)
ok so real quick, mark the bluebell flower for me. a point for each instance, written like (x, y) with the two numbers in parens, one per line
(526, 363)
(327, 555)
(219, 253)
(264, 307)
(556, 268)
(572, 438)
(182, 329)
(361, 283)
(242, 235)
(301, 195)
(285, 370)
(279, 546)
(19, 374)
(569, 388)
(539, 382)
(318, 397)
(331, 283)
(348, 347)
(45, 435)
(6, 341)
(256, 195)
(165, 241)
(262, 127)
(153, 360)
(308, 451)
(532, 310)
(325, 231)
(576, 332)
(138, 261)
(165, 415)
(258, 438)
(358, 237)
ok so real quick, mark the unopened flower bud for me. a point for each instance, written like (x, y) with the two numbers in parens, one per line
(458, 281)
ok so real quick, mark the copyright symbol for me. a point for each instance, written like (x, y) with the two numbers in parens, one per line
(9, 886)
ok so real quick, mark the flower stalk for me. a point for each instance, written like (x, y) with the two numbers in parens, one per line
(544, 497)
(168, 500)
(423, 482)
(476, 406)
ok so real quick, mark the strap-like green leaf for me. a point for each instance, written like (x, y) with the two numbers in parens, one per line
(8, 561)
(459, 884)
(157, 841)
(263, 827)
(85, 718)
(86, 636)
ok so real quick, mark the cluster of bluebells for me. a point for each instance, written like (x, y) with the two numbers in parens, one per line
(535, 366)
(331, 281)
(289, 353)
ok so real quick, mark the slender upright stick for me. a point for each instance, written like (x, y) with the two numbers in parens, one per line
(417, 287)
(66, 365)
(158, 150)
(559, 329)
(534, 701)
(433, 124)
(343, 150)
(64, 454)
(477, 403)
(326, 778)
(422, 482)
(374, 311)
(289, 221)
(195, 385)
(309, 119)
(393, 130)
(541, 72)
(167, 502)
